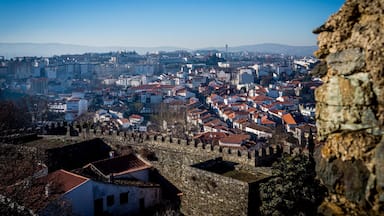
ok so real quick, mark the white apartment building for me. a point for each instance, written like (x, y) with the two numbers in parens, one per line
(75, 107)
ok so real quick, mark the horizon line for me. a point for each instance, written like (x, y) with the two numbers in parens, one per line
(157, 46)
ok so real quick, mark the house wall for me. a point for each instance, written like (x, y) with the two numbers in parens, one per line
(81, 199)
(151, 197)
(258, 133)
(141, 175)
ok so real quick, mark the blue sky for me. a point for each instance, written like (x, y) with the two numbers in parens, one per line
(150, 23)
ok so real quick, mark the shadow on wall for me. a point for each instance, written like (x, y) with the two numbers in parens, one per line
(77, 155)
(216, 165)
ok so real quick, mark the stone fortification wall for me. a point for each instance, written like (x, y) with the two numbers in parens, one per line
(350, 109)
(261, 157)
(203, 192)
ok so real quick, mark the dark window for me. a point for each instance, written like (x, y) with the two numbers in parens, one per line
(98, 205)
(110, 200)
(142, 205)
(124, 198)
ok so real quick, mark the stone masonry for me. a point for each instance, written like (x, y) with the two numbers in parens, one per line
(350, 109)
(203, 192)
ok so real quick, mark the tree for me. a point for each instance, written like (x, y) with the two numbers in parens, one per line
(311, 143)
(21, 186)
(13, 115)
(293, 189)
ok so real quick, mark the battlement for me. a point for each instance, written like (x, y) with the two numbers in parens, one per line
(260, 157)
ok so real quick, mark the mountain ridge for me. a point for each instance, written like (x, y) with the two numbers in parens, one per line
(10, 50)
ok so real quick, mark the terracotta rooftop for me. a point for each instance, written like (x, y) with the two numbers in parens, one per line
(135, 116)
(120, 165)
(241, 120)
(124, 120)
(266, 121)
(210, 135)
(261, 98)
(64, 180)
(260, 128)
(288, 119)
(252, 109)
(234, 138)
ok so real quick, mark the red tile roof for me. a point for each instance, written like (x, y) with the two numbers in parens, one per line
(234, 139)
(64, 180)
(210, 135)
(135, 116)
(252, 109)
(260, 128)
(261, 98)
(120, 165)
(266, 121)
(124, 120)
(288, 119)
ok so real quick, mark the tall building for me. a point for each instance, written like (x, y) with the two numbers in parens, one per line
(39, 85)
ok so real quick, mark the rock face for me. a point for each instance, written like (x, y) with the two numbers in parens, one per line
(350, 109)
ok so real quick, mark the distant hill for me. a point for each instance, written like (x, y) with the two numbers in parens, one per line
(10, 50)
(276, 48)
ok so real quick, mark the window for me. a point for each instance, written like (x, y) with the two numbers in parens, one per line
(124, 198)
(98, 206)
(110, 200)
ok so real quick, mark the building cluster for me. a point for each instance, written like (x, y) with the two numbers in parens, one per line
(231, 117)
(243, 98)
(240, 102)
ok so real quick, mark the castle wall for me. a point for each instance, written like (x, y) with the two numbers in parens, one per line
(350, 109)
(203, 192)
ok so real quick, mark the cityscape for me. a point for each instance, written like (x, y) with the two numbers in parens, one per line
(107, 127)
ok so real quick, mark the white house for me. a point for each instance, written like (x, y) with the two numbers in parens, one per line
(115, 186)
(57, 107)
(123, 122)
(289, 122)
(259, 130)
(307, 111)
(136, 119)
(75, 107)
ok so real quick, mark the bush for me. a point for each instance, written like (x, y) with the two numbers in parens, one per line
(293, 189)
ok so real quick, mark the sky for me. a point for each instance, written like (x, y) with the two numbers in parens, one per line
(153, 23)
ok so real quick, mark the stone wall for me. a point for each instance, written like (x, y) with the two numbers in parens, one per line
(203, 192)
(209, 193)
(350, 109)
(192, 148)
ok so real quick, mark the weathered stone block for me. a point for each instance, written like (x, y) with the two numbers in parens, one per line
(379, 168)
(350, 146)
(346, 61)
(348, 178)
(331, 119)
(345, 91)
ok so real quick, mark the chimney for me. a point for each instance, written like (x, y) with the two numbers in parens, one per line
(111, 154)
(47, 189)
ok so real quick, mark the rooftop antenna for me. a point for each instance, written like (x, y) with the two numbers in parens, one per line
(226, 50)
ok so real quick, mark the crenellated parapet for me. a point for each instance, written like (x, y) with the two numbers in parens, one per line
(260, 157)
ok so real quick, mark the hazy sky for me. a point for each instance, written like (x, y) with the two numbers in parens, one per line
(181, 23)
